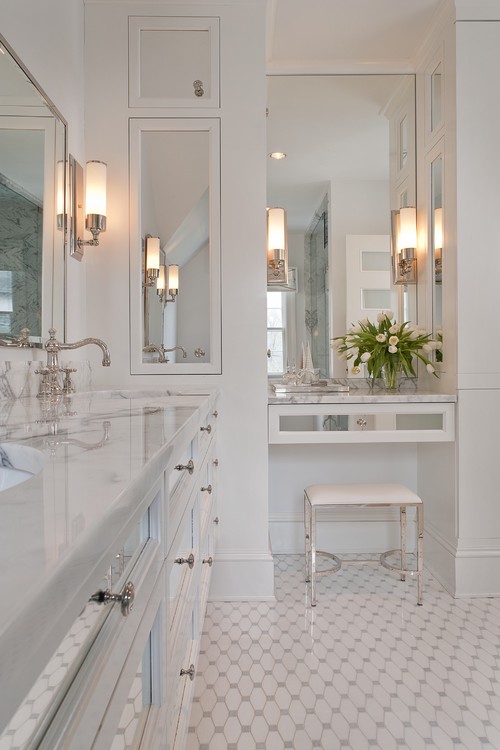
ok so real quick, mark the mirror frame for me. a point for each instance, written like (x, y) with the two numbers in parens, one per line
(213, 366)
(53, 313)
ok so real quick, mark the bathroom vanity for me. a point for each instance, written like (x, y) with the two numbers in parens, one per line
(107, 548)
(357, 436)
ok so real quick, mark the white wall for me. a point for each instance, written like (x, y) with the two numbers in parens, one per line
(243, 566)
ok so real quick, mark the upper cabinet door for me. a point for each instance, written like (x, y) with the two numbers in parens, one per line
(173, 62)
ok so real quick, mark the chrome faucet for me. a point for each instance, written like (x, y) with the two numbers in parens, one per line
(162, 351)
(50, 381)
(23, 341)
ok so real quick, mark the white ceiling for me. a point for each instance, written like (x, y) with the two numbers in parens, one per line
(333, 128)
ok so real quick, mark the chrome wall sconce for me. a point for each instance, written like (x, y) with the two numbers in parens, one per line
(173, 283)
(403, 245)
(92, 214)
(277, 250)
(438, 245)
(158, 274)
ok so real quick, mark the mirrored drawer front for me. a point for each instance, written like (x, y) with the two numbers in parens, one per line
(346, 423)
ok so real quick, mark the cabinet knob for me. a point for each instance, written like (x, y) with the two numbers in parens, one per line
(215, 414)
(198, 88)
(189, 672)
(125, 597)
(208, 428)
(361, 422)
(215, 462)
(216, 520)
(209, 561)
(189, 467)
(189, 560)
(207, 489)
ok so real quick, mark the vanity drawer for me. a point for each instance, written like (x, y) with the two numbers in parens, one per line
(362, 423)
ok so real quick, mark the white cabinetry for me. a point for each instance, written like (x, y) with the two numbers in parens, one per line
(122, 678)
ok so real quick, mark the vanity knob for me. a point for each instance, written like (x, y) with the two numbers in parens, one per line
(207, 489)
(189, 467)
(125, 597)
(209, 561)
(189, 560)
(215, 414)
(208, 428)
(189, 672)
(215, 462)
(198, 88)
(361, 422)
(216, 520)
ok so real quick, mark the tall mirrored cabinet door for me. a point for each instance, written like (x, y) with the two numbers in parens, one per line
(437, 245)
(175, 316)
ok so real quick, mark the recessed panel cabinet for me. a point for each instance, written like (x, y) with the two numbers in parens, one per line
(173, 62)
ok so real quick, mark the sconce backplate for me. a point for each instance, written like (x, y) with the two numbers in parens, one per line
(76, 210)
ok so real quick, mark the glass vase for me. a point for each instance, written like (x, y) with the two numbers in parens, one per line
(391, 374)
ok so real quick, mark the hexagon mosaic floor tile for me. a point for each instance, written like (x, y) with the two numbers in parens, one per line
(366, 669)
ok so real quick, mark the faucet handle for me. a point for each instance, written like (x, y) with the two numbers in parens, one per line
(68, 385)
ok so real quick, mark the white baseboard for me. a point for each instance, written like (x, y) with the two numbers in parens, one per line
(242, 576)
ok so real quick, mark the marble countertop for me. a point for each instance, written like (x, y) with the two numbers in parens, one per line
(102, 453)
(359, 393)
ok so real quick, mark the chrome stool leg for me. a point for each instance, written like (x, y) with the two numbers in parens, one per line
(307, 536)
(420, 553)
(402, 515)
(313, 556)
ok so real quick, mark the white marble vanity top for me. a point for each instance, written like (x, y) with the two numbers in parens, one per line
(103, 452)
(360, 394)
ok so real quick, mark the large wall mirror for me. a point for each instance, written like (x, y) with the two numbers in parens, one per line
(175, 248)
(32, 199)
(349, 142)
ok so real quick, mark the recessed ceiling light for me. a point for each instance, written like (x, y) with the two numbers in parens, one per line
(277, 155)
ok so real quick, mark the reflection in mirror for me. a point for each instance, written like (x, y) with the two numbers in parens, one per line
(436, 99)
(32, 190)
(175, 215)
(349, 142)
(437, 243)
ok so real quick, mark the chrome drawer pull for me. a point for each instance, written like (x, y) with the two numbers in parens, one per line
(215, 462)
(216, 520)
(189, 560)
(208, 428)
(188, 467)
(189, 671)
(125, 597)
(209, 561)
(207, 489)
(215, 414)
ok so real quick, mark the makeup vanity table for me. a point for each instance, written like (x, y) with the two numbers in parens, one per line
(362, 435)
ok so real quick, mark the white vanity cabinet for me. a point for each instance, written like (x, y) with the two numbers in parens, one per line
(128, 682)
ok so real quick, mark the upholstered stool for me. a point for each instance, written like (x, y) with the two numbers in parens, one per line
(362, 495)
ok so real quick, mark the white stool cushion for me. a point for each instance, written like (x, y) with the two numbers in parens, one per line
(360, 494)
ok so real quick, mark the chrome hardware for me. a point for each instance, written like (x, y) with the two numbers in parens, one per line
(198, 88)
(269, 354)
(207, 489)
(189, 560)
(209, 561)
(215, 462)
(215, 414)
(68, 386)
(361, 422)
(216, 520)
(189, 672)
(189, 467)
(126, 597)
(22, 342)
(208, 428)
(199, 352)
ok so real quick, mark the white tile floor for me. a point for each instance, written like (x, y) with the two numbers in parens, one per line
(366, 669)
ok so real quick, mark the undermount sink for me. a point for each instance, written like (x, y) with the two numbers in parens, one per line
(18, 463)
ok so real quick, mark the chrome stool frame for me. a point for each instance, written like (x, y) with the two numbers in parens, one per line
(363, 496)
